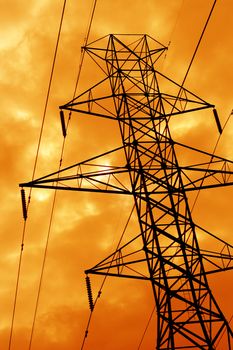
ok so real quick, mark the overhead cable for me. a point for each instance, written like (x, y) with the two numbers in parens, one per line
(194, 54)
(92, 305)
(25, 208)
(64, 130)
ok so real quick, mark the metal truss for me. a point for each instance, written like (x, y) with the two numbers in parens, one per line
(142, 101)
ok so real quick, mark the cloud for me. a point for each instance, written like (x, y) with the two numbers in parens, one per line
(86, 228)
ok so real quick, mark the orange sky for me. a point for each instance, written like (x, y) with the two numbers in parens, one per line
(86, 227)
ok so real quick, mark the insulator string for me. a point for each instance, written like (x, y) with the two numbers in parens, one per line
(63, 125)
(24, 204)
(89, 293)
(219, 126)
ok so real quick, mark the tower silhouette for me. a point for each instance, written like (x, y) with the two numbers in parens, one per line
(159, 173)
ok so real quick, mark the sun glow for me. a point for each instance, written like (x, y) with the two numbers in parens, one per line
(42, 195)
(22, 115)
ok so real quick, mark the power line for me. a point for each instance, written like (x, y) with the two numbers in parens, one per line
(33, 175)
(213, 153)
(42, 271)
(147, 326)
(17, 285)
(224, 331)
(85, 43)
(49, 88)
(105, 278)
(199, 42)
(60, 164)
(176, 21)
(195, 52)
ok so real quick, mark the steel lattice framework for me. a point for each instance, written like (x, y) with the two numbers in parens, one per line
(143, 101)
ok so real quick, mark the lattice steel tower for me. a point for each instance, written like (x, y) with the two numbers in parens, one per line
(143, 102)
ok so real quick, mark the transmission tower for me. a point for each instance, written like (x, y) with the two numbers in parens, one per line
(159, 173)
